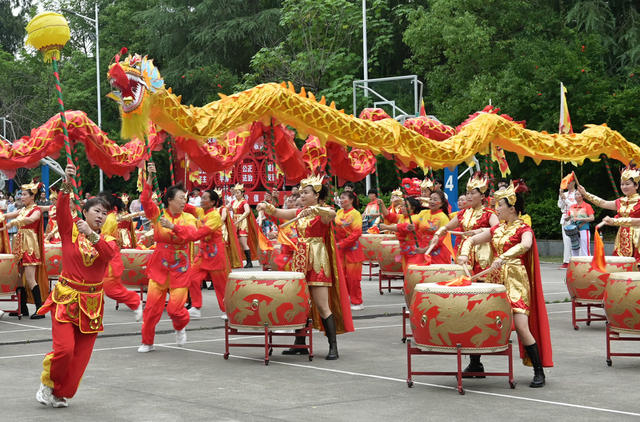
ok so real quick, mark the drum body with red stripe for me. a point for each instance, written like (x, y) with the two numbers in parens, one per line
(587, 285)
(53, 259)
(371, 242)
(135, 265)
(389, 256)
(622, 302)
(433, 273)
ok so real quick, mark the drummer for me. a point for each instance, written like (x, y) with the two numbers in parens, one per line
(316, 258)
(516, 266)
(348, 231)
(411, 252)
(246, 226)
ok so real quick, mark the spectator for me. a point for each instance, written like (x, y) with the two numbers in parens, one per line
(135, 207)
(3, 202)
(371, 211)
(194, 197)
(581, 214)
(44, 202)
(11, 207)
(565, 200)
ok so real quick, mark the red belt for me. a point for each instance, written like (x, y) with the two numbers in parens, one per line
(80, 286)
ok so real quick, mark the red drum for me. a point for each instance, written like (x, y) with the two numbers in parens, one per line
(389, 257)
(135, 265)
(622, 302)
(477, 316)
(273, 298)
(274, 253)
(586, 285)
(53, 259)
(433, 273)
(371, 243)
(9, 278)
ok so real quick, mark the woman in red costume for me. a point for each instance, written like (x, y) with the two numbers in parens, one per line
(28, 247)
(412, 253)
(473, 219)
(515, 265)
(348, 231)
(51, 234)
(112, 283)
(212, 258)
(428, 223)
(246, 225)
(77, 301)
(169, 266)
(283, 259)
(316, 258)
(229, 233)
(627, 241)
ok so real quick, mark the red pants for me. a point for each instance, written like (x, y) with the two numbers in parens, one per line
(353, 274)
(156, 295)
(114, 289)
(218, 278)
(63, 368)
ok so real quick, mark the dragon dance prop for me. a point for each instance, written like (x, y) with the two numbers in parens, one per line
(142, 96)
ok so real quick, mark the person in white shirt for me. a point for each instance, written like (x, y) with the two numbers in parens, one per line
(194, 197)
(565, 201)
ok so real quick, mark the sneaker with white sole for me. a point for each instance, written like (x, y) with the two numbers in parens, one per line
(59, 402)
(224, 316)
(181, 337)
(145, 348)
(138, 313)
(357, 307)
(1, 314)
(44, 395)
(194, 313)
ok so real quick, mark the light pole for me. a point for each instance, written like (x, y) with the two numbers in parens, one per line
(94, 22)
(366, 70)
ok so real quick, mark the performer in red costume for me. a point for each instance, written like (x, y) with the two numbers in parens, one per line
(316, 258)
(627, 241)
(77, 301)
(246, 225)
(212, 257)
(412, 253)
(348, 231)
(429, 221)
(515, 265)
(229, 233)
(28, 247)
(283, 259)
(169, 267)
(471, 220)
(112, 283)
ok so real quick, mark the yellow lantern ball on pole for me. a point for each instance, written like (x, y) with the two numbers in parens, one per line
(48, 32)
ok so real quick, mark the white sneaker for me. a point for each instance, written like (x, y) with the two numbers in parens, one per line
(138, 313)
(58, 402)
(181, 337)
(194, 313)
(1, 314)
(44, 395)
(145, 348)
(224, 316)
(357, 307)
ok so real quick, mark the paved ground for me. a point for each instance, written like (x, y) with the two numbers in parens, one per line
(367, 382)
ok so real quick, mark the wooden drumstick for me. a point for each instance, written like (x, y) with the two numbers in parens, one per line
(481, 274)
(466, 270)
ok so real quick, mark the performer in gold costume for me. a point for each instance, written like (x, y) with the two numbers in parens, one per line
(246, 225)
(515, 265)
(628, 213)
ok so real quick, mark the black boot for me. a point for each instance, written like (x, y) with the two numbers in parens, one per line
(247, 254)
(38, 301)
(300, 340)
(474, 366)
(330, 329)
(203, 285)
(538, 373)
(23, 302)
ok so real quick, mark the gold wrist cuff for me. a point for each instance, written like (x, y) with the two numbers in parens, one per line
(93, 237)
(514, 252)
(621, 221)
(594, 199)
(270, 209)
(66, 187)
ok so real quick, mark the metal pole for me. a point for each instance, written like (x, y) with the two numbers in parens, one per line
(98, 86)
(366, 70)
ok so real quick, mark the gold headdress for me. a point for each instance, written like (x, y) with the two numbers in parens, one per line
(53, 195)
(397, 194)
(630, 173)
(218, 192)
(125, 198)
(508, 193)
(239, 187)
(478, 181)
(31, 187)
(314, 181)
(426, 184)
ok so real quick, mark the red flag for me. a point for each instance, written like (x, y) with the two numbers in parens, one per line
(423, 111)
(598, 262)
(458, 281)
(284, 240)
(264, 243)
(564, 183)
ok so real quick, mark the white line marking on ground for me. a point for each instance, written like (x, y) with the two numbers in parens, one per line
(25, 325)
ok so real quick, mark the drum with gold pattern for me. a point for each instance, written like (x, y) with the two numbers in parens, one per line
(587, 285)
(433, 273)
(371, 242)
(622, 302)
(477, 316)
(389, 256)
(273, 266)
(53, 259)
(135, 265)
(274, 298)
(9, 278)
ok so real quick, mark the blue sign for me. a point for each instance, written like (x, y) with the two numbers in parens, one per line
(451, 187)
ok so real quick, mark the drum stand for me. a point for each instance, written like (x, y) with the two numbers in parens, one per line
(613, 335)
(576, 303)
(13, 297)
(371, 264)
(388, 276)
(405, 318)
(268, 345)
(416, 351)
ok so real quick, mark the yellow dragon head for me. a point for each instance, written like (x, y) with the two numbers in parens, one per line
(133, 79)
